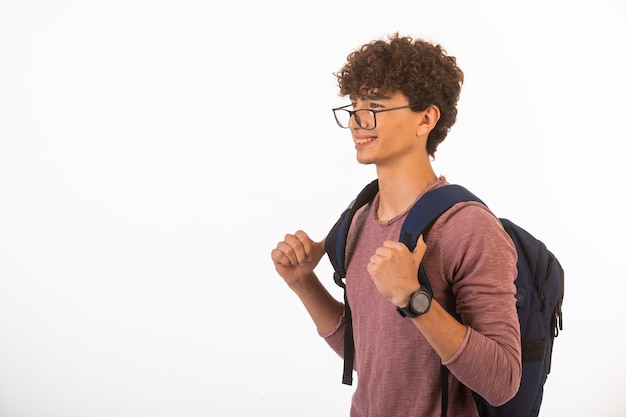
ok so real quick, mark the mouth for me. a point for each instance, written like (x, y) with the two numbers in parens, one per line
(364, 140)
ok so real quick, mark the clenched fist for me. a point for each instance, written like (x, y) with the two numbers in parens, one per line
(393, 269)
(296, 256)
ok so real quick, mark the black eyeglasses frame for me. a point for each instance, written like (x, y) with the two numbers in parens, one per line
(358, 119)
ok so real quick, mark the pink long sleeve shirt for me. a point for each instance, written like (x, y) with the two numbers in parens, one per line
(471, 265)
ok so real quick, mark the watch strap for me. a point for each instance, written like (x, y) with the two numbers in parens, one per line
(408, 312)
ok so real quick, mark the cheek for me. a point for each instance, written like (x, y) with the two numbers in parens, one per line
(401, 131)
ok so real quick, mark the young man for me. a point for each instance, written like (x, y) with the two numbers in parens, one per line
(404, 94)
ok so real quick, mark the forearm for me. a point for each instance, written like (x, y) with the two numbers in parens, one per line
(444, 333)
(486, 366)
(323, 308)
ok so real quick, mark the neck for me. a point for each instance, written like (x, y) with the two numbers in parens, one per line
(400, 186)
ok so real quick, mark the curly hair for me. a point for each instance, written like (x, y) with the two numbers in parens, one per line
(421, 70)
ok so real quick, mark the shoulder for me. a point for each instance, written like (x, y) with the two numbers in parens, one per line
(464, 217)
(469, 231)
(468, 218)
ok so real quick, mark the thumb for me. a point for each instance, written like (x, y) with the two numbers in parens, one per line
(318, 249)
(420, 249)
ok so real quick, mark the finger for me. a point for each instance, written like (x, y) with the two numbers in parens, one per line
(280, 258)
(298, 244)
(285, 252)
(306, 244)
(372, 267)
(312, 250)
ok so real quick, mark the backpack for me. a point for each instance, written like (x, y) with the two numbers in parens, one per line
(539, 295)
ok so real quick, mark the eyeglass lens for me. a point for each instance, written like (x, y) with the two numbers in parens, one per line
(364, 118)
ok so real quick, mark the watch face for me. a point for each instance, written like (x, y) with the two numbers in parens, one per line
(420, 303)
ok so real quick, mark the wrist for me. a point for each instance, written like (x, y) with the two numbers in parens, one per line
(418, 303)
(402, 299)
(299, 284)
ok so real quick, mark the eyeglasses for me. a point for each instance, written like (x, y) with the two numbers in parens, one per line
(365, 118)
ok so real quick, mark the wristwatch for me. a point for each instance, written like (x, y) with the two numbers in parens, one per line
(419, 303)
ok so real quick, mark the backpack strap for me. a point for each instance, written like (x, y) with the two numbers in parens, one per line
(337, 238)
(335, 246)
(429, 207)
(424, 213)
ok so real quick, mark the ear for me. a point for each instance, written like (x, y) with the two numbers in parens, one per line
(430, 118)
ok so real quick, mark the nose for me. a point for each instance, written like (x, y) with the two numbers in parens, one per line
(363, 119)
(354, 121)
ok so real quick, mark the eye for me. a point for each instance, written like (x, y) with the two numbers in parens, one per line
(376, 106)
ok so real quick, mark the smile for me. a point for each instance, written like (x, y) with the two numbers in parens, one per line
(361, 141)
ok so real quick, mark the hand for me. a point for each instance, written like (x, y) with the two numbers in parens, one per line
(393, 269)
(296, 256)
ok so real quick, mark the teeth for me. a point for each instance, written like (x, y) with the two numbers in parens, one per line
(362, 141)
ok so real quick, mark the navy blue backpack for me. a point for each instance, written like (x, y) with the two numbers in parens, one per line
(539, 282)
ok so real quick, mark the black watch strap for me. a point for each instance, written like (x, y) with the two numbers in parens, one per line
(406, 313)
(419, 303)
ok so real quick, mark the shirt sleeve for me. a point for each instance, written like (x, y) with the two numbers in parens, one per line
(335, 338)
(479, 259)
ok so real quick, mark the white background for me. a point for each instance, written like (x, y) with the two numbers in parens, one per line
(152, 153)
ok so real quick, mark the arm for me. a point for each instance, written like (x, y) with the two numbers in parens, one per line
(480, 260)
(295, 258)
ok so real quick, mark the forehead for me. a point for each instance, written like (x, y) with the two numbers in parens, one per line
(368, 93)
(376, 94)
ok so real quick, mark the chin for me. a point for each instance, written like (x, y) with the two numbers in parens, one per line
(365, 160)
